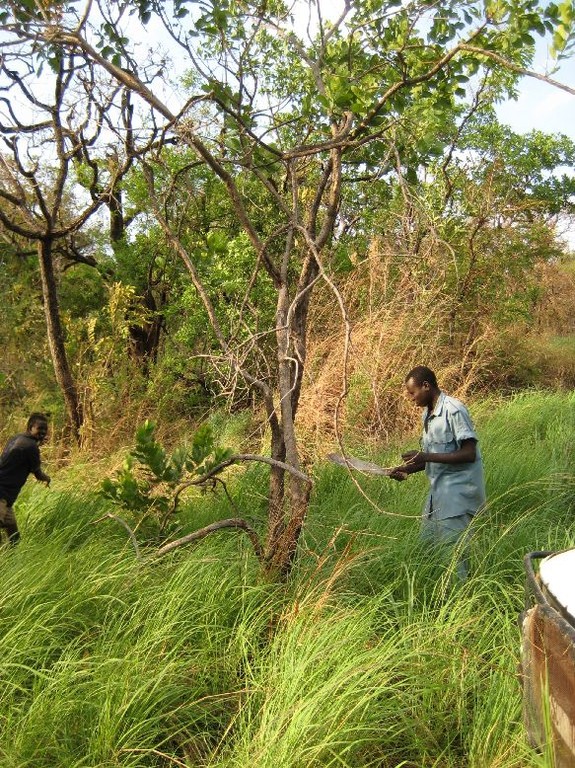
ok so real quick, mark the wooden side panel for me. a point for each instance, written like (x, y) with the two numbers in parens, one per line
(548, 672)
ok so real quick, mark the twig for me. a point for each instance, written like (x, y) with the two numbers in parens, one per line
(126, 526)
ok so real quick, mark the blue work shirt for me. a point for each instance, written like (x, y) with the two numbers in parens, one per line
(455, 489)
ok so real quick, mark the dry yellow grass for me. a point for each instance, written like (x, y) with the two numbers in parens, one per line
(400, 317)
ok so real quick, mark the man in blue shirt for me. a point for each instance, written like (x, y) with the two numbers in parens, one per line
(451, 459)
(20, 458)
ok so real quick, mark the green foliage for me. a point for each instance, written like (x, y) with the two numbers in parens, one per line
(219, 250)
(150, 477)
(27, 377)
(82, 293)
(466, 207)
(560, 18)
(527, 168)
(84, 174)
(25, 11)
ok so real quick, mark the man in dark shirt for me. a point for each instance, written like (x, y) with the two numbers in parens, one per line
(20, 457)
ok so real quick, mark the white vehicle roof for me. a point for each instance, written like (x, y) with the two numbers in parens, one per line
(557, 575)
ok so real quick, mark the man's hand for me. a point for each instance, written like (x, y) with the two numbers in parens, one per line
(397, 474)
(413, 457)
(413, 461)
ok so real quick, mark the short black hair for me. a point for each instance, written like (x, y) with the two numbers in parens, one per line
(420, 374)
(36, 418)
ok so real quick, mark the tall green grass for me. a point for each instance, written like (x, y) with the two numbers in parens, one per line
(371, 655)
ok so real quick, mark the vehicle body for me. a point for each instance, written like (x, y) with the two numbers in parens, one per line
(548, 655)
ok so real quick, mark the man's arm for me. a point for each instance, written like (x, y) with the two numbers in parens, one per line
(464, 455)
(415, 461)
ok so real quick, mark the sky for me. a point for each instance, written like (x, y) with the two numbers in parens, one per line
(541, 106)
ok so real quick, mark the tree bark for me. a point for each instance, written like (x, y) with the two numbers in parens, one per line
(56, 339)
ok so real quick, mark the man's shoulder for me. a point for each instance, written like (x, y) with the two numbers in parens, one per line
(453, 405)
(21, 442)
(457, 415)
(23, 439)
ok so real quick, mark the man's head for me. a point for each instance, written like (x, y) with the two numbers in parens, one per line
(421, 386)
(37, 426)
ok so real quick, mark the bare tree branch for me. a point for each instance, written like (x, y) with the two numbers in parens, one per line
(235, 459)
(212, 528)
(515, 67)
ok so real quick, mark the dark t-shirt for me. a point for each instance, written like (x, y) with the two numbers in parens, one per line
(20, 457)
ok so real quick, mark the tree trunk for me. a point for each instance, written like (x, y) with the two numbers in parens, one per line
(276, 492)
(145, 338)
(282, 550)
(289, 495)
(56, 338)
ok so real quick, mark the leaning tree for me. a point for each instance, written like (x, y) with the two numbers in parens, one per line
(66, 143)
(277, 101)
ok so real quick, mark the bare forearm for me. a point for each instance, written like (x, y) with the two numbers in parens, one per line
(464, 455)
(415, 461)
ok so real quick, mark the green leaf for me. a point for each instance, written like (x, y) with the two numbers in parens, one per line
(217, 242)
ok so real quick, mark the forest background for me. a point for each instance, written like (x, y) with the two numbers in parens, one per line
(277, 211)
(234, 227)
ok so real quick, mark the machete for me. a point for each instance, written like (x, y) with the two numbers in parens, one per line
(362, 466)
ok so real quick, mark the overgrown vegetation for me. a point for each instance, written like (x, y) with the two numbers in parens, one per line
(151, 480)
(286, 153)
(367, 657)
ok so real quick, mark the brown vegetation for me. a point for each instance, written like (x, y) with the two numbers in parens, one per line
(399, 320)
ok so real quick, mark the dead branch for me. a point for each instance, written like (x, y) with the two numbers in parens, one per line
(232, 522)
(234, 460)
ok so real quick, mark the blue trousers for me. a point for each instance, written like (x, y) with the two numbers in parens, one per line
(449, 537)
